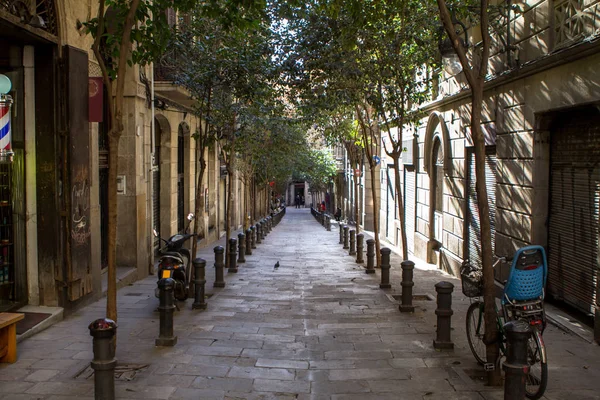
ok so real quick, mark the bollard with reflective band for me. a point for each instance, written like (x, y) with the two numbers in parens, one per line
(444, 313)
(103, 331)
(6, 152)
(516, 367)
(248, 242)
(232, 255)
(166, 309)
(199, 282)
(385, 268)
(407, 286)
(359, 248)
(352, 250)
(253, 237)
(219, 265)
(370, 256)
(346, 229)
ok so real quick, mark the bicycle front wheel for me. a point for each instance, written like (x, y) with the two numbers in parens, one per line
(535, 386)
(475, 331)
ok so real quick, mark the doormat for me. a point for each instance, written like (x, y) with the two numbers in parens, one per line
(31, 319)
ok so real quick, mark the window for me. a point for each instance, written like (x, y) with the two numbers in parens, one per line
(575, 20)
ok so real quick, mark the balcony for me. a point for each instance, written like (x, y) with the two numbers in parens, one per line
(165, 74)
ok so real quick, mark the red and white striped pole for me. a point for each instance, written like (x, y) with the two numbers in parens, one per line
(6, 153)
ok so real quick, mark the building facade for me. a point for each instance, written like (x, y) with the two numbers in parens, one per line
(541, 122)
(54, 193)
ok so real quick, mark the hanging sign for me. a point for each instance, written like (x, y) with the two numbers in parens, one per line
(96, 99)
(6, 153)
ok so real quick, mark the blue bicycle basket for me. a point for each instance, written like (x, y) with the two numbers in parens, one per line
(527, 278)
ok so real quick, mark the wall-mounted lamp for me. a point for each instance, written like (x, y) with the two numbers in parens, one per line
(450, 60)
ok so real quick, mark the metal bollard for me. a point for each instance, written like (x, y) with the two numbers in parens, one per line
(444, 313)
(359, 248)
(199, 281)
(219, 281)
(328, 224)
(248, 242)
(370, 256)
(270, 219)
(516, 367)
(253, 237)
(166, 308)
(258, 232)
(232, 255)
(103, 331)
(241, 248)
(263, 228)
(385, 268)
(346, 237)
(352, 251)
(407, 286)
(341, 233)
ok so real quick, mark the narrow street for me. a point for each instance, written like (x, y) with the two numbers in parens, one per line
(315, 328)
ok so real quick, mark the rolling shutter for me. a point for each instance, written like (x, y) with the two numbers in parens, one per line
(474, 225)
(574, 204)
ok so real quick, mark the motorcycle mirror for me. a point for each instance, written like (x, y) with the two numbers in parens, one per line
(155, 233)
(190, 216)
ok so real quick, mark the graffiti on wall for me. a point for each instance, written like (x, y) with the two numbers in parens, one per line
(80, 204)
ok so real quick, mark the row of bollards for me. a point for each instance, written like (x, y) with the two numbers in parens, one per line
(323, 218)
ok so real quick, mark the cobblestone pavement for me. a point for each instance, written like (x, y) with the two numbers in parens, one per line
(317, 328)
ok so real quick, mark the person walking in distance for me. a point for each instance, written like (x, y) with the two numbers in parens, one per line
(297, 201)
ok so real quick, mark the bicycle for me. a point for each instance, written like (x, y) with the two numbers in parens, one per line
(522, 299)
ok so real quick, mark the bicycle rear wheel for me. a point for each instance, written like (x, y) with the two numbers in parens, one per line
(535, 386)
(475, 331)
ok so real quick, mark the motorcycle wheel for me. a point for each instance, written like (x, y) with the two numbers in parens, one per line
(181, 291)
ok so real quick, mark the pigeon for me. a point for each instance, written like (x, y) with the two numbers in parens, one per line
(277, 264)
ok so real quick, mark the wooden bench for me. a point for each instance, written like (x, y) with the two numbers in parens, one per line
(8, 336)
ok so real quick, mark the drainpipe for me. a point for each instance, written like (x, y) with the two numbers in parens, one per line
(151, 174)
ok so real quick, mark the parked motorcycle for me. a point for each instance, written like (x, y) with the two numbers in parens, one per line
(174, 261)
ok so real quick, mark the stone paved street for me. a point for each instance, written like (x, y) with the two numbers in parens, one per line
(316, 328)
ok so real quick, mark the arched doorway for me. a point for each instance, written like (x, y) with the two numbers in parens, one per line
(437, 192)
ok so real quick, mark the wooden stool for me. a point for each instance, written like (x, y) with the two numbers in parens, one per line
(8, 336)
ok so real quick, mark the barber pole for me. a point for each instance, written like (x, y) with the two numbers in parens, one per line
(6, 153)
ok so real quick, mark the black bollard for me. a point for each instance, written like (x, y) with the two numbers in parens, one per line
(385, 268)
(263, 228)
(253, 237)
(241, 248)
(359, 248)
(166, 309)
(199, 282)
(258, 232)
(352, 251)
(232, 255)
(346, 237)
(516, 367)
(370, 256)
(219, 281)
(103, 331)
(341, 233)
(248, 242)
(328, 224)
(407, 286)
(444, 313)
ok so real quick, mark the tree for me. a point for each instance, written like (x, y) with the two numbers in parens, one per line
(475, 74)
(139, 33)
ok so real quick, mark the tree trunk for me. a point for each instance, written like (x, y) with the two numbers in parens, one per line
(489, 287)
(356, 203)
(375, 212)
(400, 201)
(113, 165)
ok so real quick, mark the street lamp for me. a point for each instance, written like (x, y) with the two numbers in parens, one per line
(6, 153)
(450, 60)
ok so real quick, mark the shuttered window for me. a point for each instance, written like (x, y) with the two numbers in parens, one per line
(474, 222)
